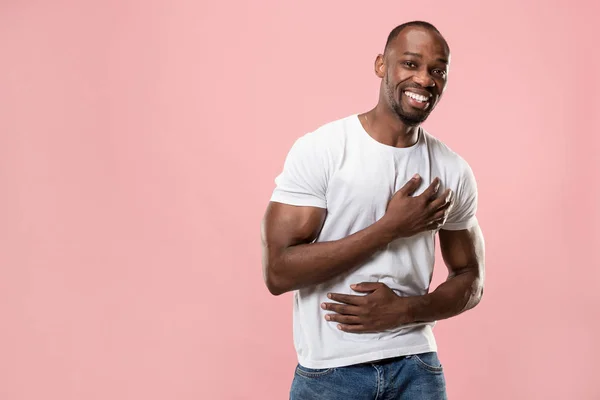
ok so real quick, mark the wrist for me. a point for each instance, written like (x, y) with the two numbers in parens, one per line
(405, 309)
(386, 229)
(414, 308)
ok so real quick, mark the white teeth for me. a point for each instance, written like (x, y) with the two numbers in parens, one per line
(416, 96)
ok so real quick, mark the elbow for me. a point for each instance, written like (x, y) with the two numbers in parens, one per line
(477, 293)
(273, 282)
(273, 286)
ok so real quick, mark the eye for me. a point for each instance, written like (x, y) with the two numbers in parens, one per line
(439, 72)
(410, 64)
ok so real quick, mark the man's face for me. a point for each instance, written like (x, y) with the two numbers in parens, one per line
(414, 72)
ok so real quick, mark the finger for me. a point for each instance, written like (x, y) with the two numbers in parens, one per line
(343, 319)
(359, 328)
(366, 286)
(341, 308)
(411, 186)
(443, 201)
(441, 214)
(347, 298)
(432, 190)
(435, 225)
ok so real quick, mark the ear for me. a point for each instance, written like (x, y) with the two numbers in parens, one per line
(380, 66)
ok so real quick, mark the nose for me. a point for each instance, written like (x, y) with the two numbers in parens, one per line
(423, 78)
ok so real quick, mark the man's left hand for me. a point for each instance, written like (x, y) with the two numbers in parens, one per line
(379, 310)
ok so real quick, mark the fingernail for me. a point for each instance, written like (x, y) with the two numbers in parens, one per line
(327, 317)
(339, 327)
(353, 286)
(416, 176)
(323, 306)
(329, 295)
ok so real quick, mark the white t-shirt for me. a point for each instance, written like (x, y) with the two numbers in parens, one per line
(340, 167)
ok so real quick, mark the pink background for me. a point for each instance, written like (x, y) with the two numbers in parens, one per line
(139, 141)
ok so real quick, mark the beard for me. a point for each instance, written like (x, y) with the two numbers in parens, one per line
(410, 117)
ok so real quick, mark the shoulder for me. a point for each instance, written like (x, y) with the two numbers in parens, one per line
(323, 146)
(327, 140)
(445, 158)
(330, 134)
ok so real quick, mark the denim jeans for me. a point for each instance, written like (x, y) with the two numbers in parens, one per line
(414, 377)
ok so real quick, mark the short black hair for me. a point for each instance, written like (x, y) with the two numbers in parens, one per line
(423, 24)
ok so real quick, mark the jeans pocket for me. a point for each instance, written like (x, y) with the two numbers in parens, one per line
(312, 372)
(428, 361)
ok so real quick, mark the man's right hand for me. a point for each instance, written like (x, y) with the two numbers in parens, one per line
(407, 215)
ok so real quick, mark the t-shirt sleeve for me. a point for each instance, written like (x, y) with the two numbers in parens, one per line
(462, 213)
(303, 181)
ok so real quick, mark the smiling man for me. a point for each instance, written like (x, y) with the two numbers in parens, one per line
(351, 227)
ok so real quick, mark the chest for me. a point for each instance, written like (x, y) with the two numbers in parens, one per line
(365, 180)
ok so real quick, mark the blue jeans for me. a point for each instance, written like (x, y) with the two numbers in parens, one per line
(415, 377)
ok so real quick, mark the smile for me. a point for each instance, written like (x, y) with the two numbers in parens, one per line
(418, 97)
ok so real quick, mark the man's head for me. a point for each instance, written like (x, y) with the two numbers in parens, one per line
(414, 69)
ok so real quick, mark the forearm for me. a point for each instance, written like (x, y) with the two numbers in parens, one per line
(458, 294)
(309, 264)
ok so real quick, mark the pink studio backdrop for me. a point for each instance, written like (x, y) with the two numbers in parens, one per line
(139, 141)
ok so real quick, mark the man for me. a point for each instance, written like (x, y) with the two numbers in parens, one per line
(351, 230)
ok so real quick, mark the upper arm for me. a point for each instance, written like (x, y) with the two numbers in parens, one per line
(461, 239)
(297, 210)
(462, 214)
(286, 225)
(463, 250)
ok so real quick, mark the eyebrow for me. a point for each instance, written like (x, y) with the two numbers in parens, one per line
(408, 53)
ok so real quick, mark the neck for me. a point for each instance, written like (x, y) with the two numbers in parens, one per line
(386, 127)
